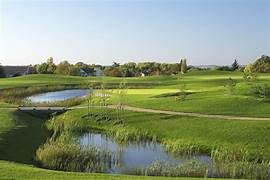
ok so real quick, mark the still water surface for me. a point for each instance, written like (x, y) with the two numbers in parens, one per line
(134, 156)
(58, 95)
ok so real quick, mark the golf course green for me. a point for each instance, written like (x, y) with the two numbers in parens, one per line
(23, 135)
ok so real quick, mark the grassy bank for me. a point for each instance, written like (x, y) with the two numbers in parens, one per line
(238, 149)
(9, 170)
(20, 135)
(176, 130)
(208, 91)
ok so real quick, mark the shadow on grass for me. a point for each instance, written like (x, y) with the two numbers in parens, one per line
(20, 143)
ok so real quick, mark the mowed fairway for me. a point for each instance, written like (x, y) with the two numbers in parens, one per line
(21, 134)
(208, 95)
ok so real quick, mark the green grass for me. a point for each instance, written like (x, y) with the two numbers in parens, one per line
(9, 170)
(201, 102)
(20, 135)
(202, 132)
(53, 79)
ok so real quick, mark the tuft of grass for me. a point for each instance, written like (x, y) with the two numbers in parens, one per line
(65, 154)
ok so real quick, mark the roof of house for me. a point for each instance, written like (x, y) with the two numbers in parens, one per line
(11, 70)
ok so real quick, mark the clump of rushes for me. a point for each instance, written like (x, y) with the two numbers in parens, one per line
(181, 147)
(65, 154)
(235, 163)
(191, 168)
(124, 134)
(225, 163)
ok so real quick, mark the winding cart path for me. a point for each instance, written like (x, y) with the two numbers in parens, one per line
(191, 114)
(137, 109)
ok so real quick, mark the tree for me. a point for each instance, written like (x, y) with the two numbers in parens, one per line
(42, 68)
(235, 65)
(89, 69)
(63, 68)
(249, 68)
(262, 64)
(47, 67)
(115, 64)
(2, 73)
(183, 66)
(51, 67)
(74, 71)
(129, 69)
(113, 71)
(249, 73)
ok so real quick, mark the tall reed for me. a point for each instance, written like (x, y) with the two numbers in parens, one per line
(65, 154)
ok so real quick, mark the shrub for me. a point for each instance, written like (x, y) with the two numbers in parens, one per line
(263, 91)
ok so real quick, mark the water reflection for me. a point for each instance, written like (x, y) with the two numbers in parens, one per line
(134, 156)
(58, 95)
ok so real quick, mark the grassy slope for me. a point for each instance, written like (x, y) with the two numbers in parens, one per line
(9, 170)
(53, 79)
(210, 95)
(20, 135)
(209, 133)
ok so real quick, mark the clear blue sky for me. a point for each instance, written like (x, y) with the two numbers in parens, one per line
(203, 31)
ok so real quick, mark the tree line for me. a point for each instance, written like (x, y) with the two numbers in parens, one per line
(64, 68)
(129, 69)
(132, 69)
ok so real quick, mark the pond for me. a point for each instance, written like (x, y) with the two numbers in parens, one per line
(133, 156)
(58, 95)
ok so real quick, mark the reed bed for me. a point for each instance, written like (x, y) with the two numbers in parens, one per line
(226, 162)
(192, 168)
(66, 154)
(236, 163)
(181, 147)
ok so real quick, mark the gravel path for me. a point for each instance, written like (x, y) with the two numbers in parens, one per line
(137, 109)
(229, 117)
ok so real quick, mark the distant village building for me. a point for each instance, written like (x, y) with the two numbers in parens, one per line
(13, 71)
(98, 71)
(83, 73)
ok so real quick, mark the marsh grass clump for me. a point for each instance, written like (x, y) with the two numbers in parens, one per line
(192, 168)
(262, 91)
(181, 147)
(61, 124)
(123, 134)
(65, 154)
(236, 163)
